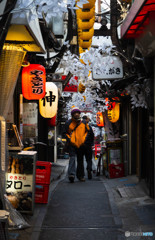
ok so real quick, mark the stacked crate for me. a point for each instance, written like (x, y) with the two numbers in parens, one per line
(43, 175)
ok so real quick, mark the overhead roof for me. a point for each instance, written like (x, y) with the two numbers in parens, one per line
(137, 18)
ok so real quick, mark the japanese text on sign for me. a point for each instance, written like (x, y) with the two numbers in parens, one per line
(19, 182)
(111, 68)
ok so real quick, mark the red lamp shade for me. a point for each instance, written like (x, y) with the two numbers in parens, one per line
(52, 121)
(33, 82)
(99, 119)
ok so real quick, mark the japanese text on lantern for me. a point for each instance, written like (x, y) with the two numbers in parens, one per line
(50, 99)
(37, 81)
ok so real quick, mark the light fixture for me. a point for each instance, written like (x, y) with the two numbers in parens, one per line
(49, 104)
(26, 33)
(33, 82)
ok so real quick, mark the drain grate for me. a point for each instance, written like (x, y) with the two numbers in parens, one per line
(130, 192)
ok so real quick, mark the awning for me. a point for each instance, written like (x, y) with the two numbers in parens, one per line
(137, 18)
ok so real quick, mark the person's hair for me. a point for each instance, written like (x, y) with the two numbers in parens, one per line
(85, 117)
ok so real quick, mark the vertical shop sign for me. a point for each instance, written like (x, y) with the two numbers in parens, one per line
(33, 82)
(30, 122)
(49, 104)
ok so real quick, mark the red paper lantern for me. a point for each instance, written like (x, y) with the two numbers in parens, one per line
(52, 122)
(99, 119)
(33, 82)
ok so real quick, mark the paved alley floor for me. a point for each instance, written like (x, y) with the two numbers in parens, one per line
(80, 210)
(98, 209)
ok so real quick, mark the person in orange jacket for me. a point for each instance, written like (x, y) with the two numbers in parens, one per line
(75, 132)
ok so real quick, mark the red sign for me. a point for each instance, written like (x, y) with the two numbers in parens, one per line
(71, 87)
(33, 82)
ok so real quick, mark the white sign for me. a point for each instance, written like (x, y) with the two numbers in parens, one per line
(110, 68)
(30, 111)
(19, 182)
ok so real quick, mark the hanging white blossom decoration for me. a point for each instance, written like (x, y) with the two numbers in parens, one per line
(137, 94)
(50, 8)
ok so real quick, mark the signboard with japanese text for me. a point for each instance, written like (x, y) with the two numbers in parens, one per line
(110, 68)
(20, 180)
(49, 104)
(30, 123)
(72, 86)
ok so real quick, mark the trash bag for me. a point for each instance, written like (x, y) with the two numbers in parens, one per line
(15, 219)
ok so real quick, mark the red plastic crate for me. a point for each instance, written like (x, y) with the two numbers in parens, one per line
(116, 171)
(43, 172)
(41, 193)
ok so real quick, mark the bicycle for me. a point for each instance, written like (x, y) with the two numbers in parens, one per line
(100, 160)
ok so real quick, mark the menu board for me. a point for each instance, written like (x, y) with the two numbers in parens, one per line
(20, 180)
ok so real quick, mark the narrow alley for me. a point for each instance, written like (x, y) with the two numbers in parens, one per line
(77, 120)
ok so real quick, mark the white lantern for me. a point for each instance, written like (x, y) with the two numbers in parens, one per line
(49, 104)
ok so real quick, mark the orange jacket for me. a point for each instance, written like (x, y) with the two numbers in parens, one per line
(76, 134)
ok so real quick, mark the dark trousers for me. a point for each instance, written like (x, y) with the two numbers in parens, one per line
(80, 166)
(88, 155)
(84, 150)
